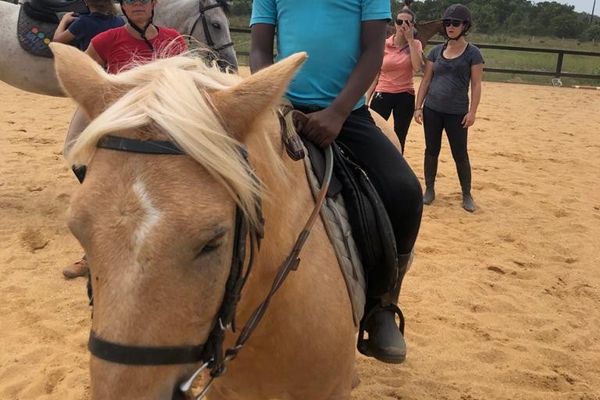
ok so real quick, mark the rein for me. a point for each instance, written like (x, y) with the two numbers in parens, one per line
(211, 353)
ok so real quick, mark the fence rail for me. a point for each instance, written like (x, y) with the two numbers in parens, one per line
(557, 73)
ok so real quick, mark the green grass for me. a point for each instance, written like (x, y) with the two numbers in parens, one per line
(539, 61)
(502, 58)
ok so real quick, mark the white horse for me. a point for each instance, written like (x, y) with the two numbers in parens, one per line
(204, 20)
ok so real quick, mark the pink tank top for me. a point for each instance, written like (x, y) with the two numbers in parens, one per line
(396, 74)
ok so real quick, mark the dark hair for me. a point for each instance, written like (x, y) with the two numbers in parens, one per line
(102, 6)
(407, 11)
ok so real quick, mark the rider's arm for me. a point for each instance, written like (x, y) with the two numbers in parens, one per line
(322, 127)
(372, 40)
(371, 89)
(261, 46)
(92, 53)
(62, 33)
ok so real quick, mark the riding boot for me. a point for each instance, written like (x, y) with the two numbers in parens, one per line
(386, 339)
(463, 168)
(430, 169)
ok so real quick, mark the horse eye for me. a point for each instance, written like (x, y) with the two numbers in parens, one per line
(212, 245)
(216, 25)
(209, 247)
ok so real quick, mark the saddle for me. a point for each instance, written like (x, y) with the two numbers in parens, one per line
(354, 217)
(38, 20)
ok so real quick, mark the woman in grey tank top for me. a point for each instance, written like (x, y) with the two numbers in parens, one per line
(443, 100)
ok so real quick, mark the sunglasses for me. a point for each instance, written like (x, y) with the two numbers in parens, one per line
(454, 22)
(402, 21)
(130, 2)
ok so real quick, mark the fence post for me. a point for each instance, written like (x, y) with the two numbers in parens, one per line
(559, 64)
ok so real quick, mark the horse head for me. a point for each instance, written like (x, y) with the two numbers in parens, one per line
(159, 230)
(203, 20)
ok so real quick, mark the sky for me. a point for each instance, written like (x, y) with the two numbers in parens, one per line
(580, 5)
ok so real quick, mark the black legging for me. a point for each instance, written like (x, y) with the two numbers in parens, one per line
(391, 175)
(434, 122)
(403, 107)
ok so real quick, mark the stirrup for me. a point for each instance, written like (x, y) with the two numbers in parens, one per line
(363, 344)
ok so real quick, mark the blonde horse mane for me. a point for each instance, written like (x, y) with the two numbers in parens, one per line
(171, 95)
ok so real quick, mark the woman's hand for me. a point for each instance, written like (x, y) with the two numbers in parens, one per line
(407, 32)
(419, 116)
(468, 120)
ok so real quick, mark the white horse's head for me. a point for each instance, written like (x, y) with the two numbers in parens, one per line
(203, 20)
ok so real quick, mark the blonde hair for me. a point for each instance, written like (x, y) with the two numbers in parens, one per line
(171, 94)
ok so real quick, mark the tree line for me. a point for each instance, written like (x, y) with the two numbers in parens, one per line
(507, 17)
(514, 17)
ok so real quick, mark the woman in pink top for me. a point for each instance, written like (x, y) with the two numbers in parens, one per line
(393, 87)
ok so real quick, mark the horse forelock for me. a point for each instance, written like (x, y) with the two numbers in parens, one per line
(171, 96)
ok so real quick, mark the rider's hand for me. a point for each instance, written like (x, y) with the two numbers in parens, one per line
(68, 18)
(322, 127)
(419, 116)
(468, 120)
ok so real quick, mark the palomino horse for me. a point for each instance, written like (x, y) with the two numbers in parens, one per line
(159, 231)
(204, 20)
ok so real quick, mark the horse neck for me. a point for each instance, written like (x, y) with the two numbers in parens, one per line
(8, 11)
(286, 208)
(172, 13)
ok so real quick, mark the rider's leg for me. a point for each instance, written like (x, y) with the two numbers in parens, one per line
(78, 123)
(400, 192)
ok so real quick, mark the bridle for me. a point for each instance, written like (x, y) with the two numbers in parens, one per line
(207, 36)
(211, 354)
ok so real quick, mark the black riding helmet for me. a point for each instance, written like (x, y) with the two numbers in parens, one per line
(459, 12)
(141, 31)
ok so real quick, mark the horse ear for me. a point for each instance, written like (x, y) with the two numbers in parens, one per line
(81, 77)
(241, 105)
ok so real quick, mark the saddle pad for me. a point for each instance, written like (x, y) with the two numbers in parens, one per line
(336, 222)
(34, 36)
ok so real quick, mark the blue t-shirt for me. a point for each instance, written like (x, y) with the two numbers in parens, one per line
(329, 31)
(86, 26)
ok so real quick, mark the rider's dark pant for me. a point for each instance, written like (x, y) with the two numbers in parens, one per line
(391, 175)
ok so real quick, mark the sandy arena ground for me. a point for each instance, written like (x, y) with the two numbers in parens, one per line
(500, 304)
